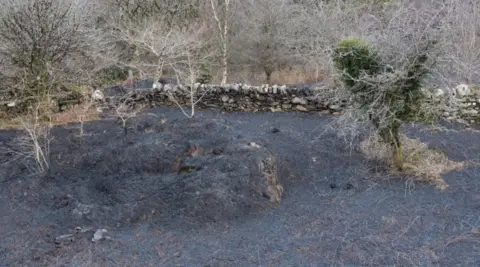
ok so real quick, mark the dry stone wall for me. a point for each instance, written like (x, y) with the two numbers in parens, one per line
(463, 101)
(240, 97)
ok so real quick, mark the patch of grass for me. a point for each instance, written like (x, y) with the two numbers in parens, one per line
(421, 163)
(297, 75)
(293, 75)
(71, 115)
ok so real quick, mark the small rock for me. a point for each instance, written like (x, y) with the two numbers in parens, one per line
(157, 85)
(253, 144)
(225, 98)
(11, 104)
(438, 92)
(80, 229)
(333, 186)
(275, 89)
(298, 100)
(301, 108)
(98, 95)
(99, 235)
(335, 107)
(462, 89)
(82, 209)
(260, 97)
(286, 106)
(231, 100)
(275, 130)
(64, 239)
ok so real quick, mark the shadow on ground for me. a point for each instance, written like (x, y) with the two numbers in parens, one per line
(334, 210)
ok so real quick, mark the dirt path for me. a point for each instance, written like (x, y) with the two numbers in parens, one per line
(335, 211)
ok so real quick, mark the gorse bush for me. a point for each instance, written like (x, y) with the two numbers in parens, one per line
(388, 97)
(354, 58)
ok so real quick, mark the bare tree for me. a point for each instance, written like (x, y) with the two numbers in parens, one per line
(34, 143)
(39, 38)
(159, 48)
(265, 31)
(127, 109)
(223, 29)
(460, 57)
(82, 115)
(190, 74)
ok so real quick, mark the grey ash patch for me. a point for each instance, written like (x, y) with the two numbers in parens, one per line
(136, 188)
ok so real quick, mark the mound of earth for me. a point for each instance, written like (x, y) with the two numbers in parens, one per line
(168, 169)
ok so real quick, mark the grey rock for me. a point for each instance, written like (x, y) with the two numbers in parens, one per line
(64, 239)
(298, 100)
(81, 209)
(462, 90)
(98, 95)
(335, 107)
(100, 235)
(275, 89)
(301, 108)
(225, 98)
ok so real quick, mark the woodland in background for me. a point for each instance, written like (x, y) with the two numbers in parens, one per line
(66, 45)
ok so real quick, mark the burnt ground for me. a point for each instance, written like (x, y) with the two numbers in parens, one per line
(335, 211)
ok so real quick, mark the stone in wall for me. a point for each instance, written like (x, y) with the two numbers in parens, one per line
(459, 103)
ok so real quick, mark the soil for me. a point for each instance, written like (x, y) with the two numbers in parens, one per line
(148, 189)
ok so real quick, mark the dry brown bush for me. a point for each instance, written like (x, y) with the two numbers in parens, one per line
(421, 163)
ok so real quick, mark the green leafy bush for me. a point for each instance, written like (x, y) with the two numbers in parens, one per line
(354, 58)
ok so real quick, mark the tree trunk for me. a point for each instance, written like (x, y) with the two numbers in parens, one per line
(268, 73)
(397, 147)
(391, 136)
(225, 61)
(223, 30)
(225, 43)
(398, 158)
